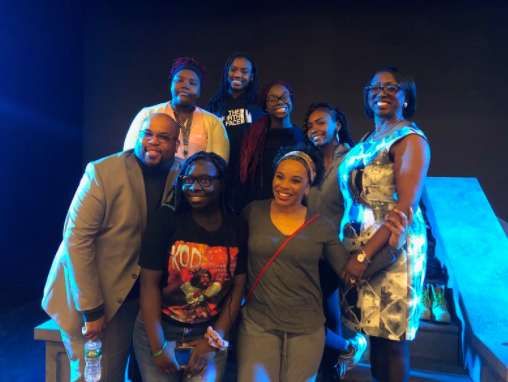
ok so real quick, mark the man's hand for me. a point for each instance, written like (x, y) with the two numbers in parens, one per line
(92, 330)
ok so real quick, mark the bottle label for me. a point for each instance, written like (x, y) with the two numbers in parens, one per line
(93, 353)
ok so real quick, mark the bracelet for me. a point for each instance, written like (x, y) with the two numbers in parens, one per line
(154, 355)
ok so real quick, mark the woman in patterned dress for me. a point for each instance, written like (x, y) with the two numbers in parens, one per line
(383, 172)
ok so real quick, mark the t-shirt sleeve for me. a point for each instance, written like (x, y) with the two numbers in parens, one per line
(157, 237)
(242, 235)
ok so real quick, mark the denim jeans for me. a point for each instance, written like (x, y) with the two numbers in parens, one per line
(214, 372)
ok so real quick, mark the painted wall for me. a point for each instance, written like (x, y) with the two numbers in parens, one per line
(74, 74)
(41, 88)
(327, 51)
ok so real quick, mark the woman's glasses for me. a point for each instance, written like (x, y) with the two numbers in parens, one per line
(390, 89)
(272, 100)
(203, 180)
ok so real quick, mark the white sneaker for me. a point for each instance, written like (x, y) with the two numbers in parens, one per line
(350, 359)
(439, 305)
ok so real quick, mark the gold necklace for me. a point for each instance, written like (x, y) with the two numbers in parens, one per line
(376, 135)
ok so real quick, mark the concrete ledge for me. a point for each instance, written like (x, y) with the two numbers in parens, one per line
(57, 362)
(473, 246)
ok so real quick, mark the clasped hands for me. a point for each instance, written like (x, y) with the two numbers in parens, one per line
(398, 224)
(203, 353)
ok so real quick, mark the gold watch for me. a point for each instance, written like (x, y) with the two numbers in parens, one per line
(362, 258)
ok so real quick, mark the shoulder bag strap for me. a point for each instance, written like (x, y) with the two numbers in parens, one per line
(277, 254)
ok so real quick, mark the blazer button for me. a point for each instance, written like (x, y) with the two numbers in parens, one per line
(120, 300)
(134, 276)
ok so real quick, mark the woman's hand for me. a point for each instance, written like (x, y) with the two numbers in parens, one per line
(166, 362)
(398, 228)
(203, 354)
(353, 271)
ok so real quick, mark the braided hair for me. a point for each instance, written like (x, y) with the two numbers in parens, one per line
(254, 139)
(187, 60)
(219, 103)
(178, 202)
(337, 116)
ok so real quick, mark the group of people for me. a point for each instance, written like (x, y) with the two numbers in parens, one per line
(206, 208)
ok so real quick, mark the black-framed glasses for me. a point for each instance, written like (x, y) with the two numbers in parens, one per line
(272, 100)
(203, 180)
(147, 135)
(376, 88)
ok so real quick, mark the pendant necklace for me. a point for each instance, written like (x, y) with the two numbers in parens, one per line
(185, 129)
(376, 135)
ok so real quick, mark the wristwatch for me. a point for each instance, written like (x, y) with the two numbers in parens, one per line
(362, 258)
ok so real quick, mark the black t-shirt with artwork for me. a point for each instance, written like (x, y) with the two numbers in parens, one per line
(237, 117)
(194, 263)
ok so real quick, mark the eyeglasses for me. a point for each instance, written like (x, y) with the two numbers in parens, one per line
(203, 180)
(148, 136)
(390, 89)
(272, 101)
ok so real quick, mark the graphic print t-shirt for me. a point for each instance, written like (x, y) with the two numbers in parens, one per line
(237, 118)
(194, 263)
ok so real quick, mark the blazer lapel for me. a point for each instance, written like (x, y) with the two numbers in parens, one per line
(170, 181)
(138, 189)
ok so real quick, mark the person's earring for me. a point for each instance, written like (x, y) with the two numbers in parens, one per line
(405, 104)
(337, 134)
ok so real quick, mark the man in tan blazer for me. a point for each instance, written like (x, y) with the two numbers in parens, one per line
(92, 287)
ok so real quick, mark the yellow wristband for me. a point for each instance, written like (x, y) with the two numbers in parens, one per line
(154, 355)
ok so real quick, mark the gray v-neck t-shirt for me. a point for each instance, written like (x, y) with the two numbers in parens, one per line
(288, 297)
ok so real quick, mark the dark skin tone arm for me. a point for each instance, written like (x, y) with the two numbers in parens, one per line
(411, 162)
(203, 352)
(151, 302)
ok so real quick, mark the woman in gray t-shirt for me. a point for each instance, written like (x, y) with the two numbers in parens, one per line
(281, 336)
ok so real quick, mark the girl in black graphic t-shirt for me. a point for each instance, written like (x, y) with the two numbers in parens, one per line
(193, 273)
(236, 101)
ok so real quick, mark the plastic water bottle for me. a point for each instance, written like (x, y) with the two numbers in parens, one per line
(93, 355)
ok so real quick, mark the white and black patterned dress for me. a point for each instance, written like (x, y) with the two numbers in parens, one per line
(388, 304)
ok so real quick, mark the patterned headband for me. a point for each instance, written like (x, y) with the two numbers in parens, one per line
(304, 159)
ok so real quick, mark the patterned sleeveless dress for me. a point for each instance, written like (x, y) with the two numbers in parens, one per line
(388, 304)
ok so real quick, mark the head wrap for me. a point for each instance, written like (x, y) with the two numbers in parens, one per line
(189, 66)
(304, 159)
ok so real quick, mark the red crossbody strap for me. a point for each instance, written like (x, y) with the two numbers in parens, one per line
(277, 254)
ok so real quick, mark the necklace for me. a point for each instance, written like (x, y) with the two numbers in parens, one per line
(376, 135)
(185, 129)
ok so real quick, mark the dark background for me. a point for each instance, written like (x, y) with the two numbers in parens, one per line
(73, 75)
